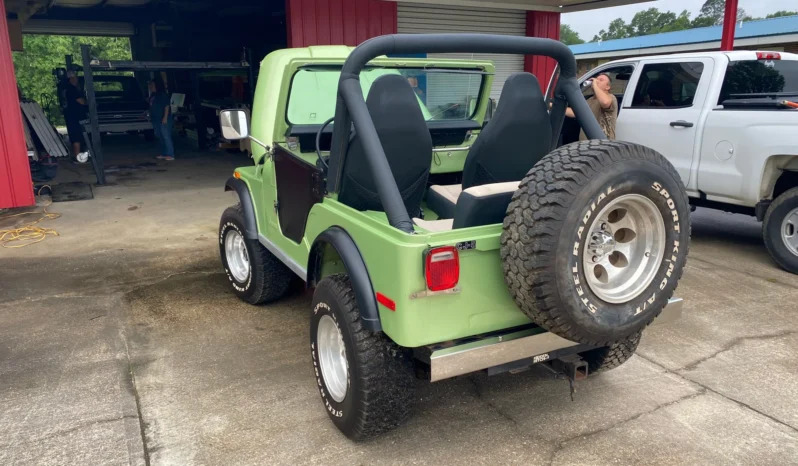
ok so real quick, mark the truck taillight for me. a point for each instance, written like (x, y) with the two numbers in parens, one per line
(442, 268)
(768, 56)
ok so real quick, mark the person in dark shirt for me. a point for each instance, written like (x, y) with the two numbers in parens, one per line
(74, 113)
(162, 118)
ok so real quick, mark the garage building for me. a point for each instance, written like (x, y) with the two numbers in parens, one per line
(218, 30)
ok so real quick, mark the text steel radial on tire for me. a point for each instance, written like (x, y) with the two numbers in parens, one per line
(237, 256)
(789, 231)
(625, 248)
(332, 358)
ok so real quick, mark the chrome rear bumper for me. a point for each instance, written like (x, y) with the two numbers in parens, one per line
(534, 344)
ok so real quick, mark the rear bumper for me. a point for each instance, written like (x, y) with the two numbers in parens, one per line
(536, 345)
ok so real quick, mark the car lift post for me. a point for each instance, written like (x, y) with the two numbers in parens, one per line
(729, 23)
(96, 143)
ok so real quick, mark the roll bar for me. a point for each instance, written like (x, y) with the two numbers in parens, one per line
(351, 106)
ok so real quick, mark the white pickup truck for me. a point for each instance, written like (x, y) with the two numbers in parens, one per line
(720, 119)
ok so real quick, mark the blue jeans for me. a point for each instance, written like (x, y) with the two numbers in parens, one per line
(164, 134)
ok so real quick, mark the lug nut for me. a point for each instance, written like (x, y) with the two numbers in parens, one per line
(595, 258)
(648, 254)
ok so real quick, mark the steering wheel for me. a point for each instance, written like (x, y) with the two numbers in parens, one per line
(318, 142)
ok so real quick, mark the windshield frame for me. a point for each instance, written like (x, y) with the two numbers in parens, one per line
(476, 70)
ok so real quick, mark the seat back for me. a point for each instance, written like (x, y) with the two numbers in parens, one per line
(406, 140)
(518, 135)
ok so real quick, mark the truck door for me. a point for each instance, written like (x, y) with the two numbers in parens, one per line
(665, 108)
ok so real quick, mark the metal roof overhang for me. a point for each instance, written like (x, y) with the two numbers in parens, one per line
(561, 6)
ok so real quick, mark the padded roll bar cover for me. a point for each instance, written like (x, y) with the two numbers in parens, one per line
(245, 198)
(355, 267)
(351, 107)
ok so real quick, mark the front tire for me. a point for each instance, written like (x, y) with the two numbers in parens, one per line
(366, 381)
(256, 275)
(595, 240)
(780, 230)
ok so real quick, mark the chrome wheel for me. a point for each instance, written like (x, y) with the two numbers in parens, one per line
(235, 249)
(624, 249)
(789, 231)
(332, 358)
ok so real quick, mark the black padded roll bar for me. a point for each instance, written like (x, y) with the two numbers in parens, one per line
(351, 106)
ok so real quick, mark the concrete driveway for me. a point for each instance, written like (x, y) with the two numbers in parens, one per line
(121, 343)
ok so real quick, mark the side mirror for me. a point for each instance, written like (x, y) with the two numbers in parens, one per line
(234, 124)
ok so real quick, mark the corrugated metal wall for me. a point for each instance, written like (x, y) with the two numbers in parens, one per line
(417, 18)
(542, 24)
(338, 22)
(15, 181)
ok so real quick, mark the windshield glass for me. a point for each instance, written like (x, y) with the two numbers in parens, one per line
(442, 95)
(759, 77)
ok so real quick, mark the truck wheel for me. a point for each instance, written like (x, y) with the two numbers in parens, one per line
(595, 240)
(609, 357)
(256, 275)
(780, 230)
(366, 381)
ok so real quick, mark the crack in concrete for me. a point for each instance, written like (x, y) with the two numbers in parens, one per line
(561, 444)
(729, 346)
(82, 425)
(489, 404)
(722, 395)
(137, 398)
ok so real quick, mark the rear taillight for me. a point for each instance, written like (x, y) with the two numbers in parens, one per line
(442, 268)
(768, 56)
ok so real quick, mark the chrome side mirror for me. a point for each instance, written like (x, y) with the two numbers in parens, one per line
(234, 124)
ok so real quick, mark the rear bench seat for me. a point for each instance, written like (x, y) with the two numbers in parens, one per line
(480, 205)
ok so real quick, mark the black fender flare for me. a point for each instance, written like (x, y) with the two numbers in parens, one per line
(355, 266)
(244, 196)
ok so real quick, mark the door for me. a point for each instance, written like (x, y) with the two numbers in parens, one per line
(664, 110)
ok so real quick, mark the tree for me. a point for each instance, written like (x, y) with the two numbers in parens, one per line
(781, 13)
(618, 29)
(712, 13)
(568, 36)
(34, 67)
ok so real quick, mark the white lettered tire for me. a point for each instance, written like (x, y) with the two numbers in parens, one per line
(366, 381)
(595, 240)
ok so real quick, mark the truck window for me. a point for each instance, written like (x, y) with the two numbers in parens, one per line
(442, 95)
(619, 76)
(751, 77)
(667, 85)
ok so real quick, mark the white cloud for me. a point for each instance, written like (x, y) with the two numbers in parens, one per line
(589, 23)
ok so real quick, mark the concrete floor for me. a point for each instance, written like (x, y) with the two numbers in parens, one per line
(121, 343)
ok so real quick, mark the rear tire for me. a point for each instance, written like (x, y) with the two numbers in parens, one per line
(609, 357)
(780, 230)
(373, 390)
(595, 240)
(256, 275)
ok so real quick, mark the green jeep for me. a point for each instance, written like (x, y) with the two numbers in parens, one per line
(440, 242)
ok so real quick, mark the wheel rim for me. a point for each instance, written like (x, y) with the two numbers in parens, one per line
(237, 256)
(332, 357)
(789, 231)
(624, 249)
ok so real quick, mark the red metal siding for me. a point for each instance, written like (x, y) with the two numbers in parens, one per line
(15, 181)
(338, 22)
(541, 24)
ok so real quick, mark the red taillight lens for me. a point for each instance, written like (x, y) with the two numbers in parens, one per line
(768, 56)
(442, 268)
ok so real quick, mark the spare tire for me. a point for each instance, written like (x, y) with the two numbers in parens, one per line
(595, 240)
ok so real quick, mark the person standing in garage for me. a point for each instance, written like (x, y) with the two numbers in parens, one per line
(74, 113)
(162, 118)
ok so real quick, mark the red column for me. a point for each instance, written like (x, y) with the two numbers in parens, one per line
(541, 24)
(338, 22)
(729, 23)
(16, 189)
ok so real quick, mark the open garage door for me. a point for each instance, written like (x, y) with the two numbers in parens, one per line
(416, 18)
(78, 28)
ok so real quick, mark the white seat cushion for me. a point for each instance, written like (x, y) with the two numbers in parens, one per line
(441, 199)
(434, 225)
(450, 192)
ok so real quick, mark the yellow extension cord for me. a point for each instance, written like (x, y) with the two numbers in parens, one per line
(29, 233)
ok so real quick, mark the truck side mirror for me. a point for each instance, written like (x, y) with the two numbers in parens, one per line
(234, 124)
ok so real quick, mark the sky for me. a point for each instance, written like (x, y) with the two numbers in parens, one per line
(589, 23)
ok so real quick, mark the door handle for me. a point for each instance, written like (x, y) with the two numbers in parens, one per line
(681, 123)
